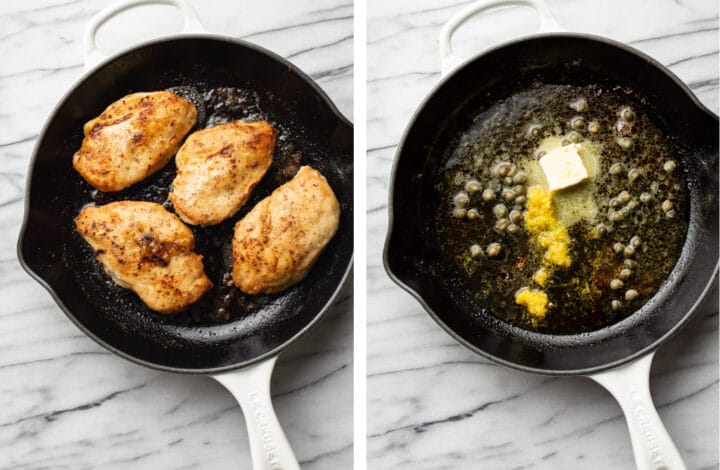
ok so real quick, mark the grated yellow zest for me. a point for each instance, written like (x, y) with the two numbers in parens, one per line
(534, 300)
(546, 230)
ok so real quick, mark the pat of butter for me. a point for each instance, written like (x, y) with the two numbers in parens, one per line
(563, 167)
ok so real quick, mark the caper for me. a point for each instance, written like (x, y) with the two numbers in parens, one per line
(473, 186)
(628, 251)
(632, 205)
(508, 180)
(600, 230)
(667, 205)
(618, 247)
(594, 127)
(512, 229)
(630, 263)
(631, 294)
(493, 250)
(628, 114)
(520, 177)
(501, 169)
(520, 200)
(615, 202)
(579, 105)
(573, 137)
(616, 169)
(501, 224)
(669, 166)
(518, 190)
(624, 273)
(488, 195)
(633, 174)
(670, 214)
(654, 187)
(512, 171)
(515, 216)
(645, 197)
(616, 305)
(473, 214)
(616, 284)
(534, 130)
(635, 241)
(508, 194)
(626, 143)
(475, 251)
(459, 212)
(624, 197)
(500, 210)
(577, 123)
(461, 198)
(616, 216)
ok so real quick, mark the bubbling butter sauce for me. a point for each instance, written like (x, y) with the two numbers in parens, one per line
(579, 258)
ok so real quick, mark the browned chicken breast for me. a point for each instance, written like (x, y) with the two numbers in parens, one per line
(218, 167)
(147, 249)
(279, 239)
(133, 138)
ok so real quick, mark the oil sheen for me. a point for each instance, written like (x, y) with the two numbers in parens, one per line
(624, 225)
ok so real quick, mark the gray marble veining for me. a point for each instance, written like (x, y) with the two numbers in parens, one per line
(434, 404)
(64, 401)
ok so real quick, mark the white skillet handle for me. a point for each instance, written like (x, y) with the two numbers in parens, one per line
(449, 60)
(269, 447)
(630, 385)
(93, 55)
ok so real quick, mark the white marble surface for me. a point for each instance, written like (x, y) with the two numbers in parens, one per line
(64, 401)
(431, 402)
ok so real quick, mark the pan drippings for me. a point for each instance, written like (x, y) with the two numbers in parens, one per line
(580, 258)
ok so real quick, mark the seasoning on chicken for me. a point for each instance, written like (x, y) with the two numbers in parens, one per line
(217, 169)
(147, 249)
(276, 243)
(132, 139)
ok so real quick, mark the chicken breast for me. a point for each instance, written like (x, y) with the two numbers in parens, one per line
(147, 249)
(218, 167)
(133, 138)
(277, 242)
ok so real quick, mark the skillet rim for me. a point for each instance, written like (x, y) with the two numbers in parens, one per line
(88, 75)
(713, 278)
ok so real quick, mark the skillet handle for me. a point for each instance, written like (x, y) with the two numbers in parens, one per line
(630, 385)
(449, 60)
(93, 55)
(250, 386)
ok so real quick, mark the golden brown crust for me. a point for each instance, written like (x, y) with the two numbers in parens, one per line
(277, 242)
(147, 249)
(133, 138)
(218, 167)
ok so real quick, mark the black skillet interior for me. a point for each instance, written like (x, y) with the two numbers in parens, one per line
(227, 80)
(412, 254)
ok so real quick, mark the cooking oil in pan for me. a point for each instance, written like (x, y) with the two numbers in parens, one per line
(623, 226)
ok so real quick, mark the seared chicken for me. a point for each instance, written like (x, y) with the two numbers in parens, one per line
(217, 168)
(147, 249)
(133, 138)
(276, 243)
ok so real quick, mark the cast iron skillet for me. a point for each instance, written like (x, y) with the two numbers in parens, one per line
(412, 257)
(310, 130)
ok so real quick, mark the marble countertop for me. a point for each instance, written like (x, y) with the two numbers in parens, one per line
(64, 401)
(434, 404)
